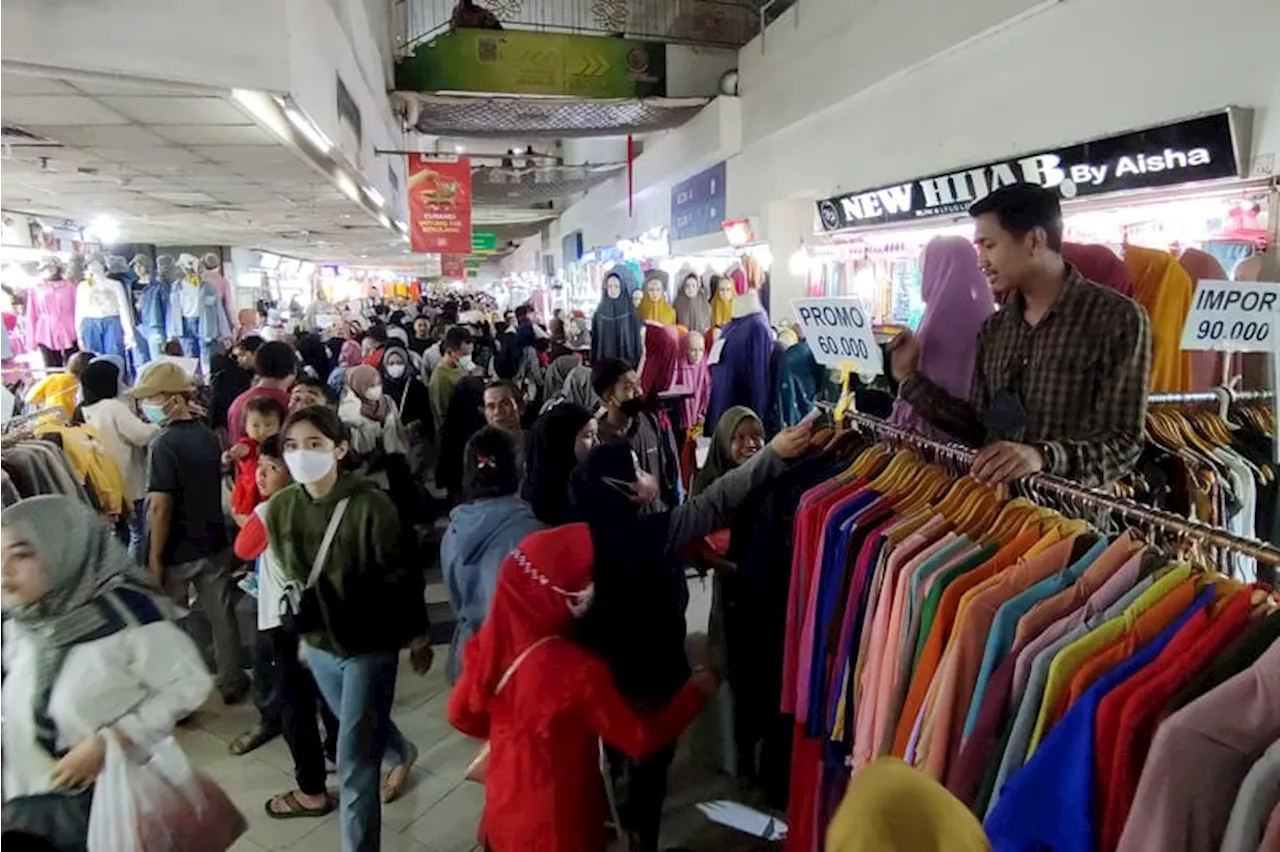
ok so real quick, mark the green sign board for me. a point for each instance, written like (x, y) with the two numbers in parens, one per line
(521, 62)
(484, 242)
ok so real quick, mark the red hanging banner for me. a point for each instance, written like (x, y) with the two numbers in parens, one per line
(454, 266)
(439, 204)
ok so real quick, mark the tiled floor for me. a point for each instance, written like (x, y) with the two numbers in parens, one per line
(438, 813)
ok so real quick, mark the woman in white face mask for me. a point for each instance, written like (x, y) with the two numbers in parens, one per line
(403, 386)
(374, 420)
(356, 602)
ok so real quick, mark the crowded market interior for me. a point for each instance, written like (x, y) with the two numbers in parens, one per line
(481, 426)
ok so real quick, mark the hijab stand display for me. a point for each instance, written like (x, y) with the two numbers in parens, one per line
(51, 314)
(741, 375)
(722, 294)
(693, 302)
(104, 316)
(654, 306)
(615, 327)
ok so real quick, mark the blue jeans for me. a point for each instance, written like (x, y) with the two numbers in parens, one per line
(360, 690)
(103, 335)
(138, 532)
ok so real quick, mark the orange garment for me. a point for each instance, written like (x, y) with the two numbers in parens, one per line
(1049, 610)
(940, 735)
(1147, 626)
(948, 605)
(1164, 288)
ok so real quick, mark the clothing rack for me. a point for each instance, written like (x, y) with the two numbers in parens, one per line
(1081, 496)
(1231, 396)
(14, 424)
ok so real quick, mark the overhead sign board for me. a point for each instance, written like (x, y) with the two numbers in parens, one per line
(524, 62)
(439, 204)
(1197, 149)
(839, 333)
(697, 204)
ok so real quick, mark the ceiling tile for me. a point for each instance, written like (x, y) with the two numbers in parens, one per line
(150, 88)
(214, 134)
(129, 136)
(146, 159)
(178, 110)
(56, 110)
(12, 83)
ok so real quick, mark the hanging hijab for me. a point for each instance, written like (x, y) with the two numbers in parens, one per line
(93, 589)
(720, 458)
(550, 460)
(1099, 263)
(615, 328)
(892, 807)
(1201, 266)
(544, 585)
(693, 312)
(1164, 288)
(661, 350)
(360, 380)
(957, 302)
(100, 380)
(657, 310)
(559, 370)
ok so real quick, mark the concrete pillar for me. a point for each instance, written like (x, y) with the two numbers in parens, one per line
(788, 225)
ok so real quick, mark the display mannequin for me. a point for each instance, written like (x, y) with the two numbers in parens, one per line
(51, 314)
(75, 268)
(721, 300)
(654, 307)
(212, 273)
(615, 328)
(693, 306)
(197, 317)
(104, 319)
(153, 304)
(741, 376)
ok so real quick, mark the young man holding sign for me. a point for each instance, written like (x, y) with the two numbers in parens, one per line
(1060, 383)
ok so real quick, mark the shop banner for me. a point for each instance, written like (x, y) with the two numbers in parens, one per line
(840, 334)
(439, 204)
(453, 266)
(1233, 316)
(1197, 149)
(697, 204)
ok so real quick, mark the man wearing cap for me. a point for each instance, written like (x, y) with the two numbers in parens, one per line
(188, 546)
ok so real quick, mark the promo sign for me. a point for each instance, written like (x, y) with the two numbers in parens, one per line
(1233, 316)
(839, 333)
(1197, 149)
(440, 204)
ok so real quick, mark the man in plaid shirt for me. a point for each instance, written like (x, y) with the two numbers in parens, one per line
(1060, 381)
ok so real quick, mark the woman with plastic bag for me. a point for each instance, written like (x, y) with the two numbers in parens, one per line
(95, 667)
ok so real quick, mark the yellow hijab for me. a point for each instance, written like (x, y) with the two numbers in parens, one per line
(721, 308)
(1165, 289)
(892, 807)
(656, 310)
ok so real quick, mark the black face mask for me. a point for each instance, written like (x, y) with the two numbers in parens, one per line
(632, 407)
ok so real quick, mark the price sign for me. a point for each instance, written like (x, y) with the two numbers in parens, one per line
(1233, 316)
(839, 333)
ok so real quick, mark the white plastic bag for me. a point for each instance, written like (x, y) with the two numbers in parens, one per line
(155, 802)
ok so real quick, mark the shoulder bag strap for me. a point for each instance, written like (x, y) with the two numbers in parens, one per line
(323, 553)
(515, 664)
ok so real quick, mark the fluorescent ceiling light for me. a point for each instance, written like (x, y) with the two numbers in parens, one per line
(308, 129)
(458, 149)
(265, 108)
(376, 198)
(104, 229)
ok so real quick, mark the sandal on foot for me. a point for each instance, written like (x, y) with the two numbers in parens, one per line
(294, 809)
(393, 784)
(250, 740)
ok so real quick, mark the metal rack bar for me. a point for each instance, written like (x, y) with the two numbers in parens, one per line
(1080, 495)
(1209, 396)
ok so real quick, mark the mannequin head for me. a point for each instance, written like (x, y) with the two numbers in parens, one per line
(613, 286)
(97, 268)
(724, 288)
(637, 296)
(211, 261)
(75, 268)
(691, 285)
(188, 262)
(654, 290)
(51, 269)
(141, 264)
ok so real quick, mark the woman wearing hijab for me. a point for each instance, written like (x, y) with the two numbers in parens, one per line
(892, 807)
(348, 356)
(376, 434)
(557, 371)
(637, 623)
(313, 355)
(1165, 289)
(90, 647)
(958, 301)
(126, 435)
(576, 389)
(558, 440)
(543, 702)
(693, 303)
(401, 384)
(615, 327)
(463, 418)
(1206, 368)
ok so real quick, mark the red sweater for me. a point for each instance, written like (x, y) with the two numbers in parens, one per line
(543, 788)
(244, 494)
